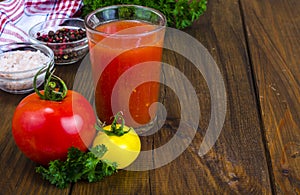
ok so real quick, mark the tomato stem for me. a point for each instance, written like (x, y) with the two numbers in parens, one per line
(55, 88)
(114, 127)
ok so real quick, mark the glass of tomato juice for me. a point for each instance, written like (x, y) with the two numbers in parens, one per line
(126, 43)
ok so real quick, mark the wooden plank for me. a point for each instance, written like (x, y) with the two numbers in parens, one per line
(237, 162)
(17, 172)
(273, 30)
(123, 182)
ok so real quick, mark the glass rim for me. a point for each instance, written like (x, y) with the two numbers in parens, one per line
(157, 28)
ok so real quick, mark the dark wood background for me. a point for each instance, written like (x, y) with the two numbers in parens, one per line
(256, 46)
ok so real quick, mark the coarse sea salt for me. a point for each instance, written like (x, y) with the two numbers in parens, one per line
(18, 68)
(16, 61)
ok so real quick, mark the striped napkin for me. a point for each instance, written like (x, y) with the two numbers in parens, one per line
(18, 16)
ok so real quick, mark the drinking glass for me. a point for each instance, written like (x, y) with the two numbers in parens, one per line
(126, 43)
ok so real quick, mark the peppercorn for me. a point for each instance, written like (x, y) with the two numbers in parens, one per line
(68, 35)
(51, 33)
(63, 36)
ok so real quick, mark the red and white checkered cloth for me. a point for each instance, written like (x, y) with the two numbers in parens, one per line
(18, 16)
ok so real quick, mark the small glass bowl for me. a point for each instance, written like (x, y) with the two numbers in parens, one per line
(17, 69)
(64, 52)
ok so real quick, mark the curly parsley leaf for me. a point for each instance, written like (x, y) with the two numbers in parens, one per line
(179, 13)
(78, 166)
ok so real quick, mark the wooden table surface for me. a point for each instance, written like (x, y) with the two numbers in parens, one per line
(255, 45)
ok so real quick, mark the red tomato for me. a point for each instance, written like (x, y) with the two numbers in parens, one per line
(44, 130)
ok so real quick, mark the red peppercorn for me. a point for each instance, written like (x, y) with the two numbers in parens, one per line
(63, 36)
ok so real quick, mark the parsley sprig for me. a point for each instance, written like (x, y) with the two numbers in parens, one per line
(179, 13)
(78, 166)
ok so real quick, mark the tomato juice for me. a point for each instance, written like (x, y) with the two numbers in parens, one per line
(116, 51)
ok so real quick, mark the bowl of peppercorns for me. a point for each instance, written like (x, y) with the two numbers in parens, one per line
(66, 37)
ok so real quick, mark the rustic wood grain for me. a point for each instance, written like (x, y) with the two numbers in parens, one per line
(237, 163)
(258, 149)
(17, 171)
(273, 30)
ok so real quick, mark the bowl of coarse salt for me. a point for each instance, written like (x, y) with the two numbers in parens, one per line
(20, 62)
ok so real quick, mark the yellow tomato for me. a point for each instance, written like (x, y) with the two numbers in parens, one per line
(121, 149)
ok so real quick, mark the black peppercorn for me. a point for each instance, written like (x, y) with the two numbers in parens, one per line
(63, 35)
(51, 33)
